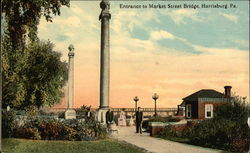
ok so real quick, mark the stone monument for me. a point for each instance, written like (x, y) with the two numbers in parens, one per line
(70, 112)
(105, 61)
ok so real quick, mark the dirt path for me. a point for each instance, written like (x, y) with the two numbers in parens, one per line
(157, 145)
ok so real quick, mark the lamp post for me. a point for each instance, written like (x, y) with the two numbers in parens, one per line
(155, 97)
(136, 99)
(244, 99)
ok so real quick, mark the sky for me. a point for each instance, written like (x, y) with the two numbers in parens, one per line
(171, 52)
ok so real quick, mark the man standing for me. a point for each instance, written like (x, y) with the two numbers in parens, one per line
(109, 118)
(139, 118)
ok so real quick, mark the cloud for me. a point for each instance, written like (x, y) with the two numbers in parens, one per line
(76, 9)
(123, 22)
(179, 15)
(230, 17)
(73, 21)
(157, 35)
(243, 43)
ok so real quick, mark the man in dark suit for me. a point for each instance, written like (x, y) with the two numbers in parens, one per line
(139, 118)
(109, 117)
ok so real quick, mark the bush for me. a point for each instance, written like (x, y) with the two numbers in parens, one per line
(82, 111)
(169, 131)
(27, 133)
(49, 129)
(72, 130)
(8, 124)
(61, 115)
(227, 130)
(68, 133)
(177, 131)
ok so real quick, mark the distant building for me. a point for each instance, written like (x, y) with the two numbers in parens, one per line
(201, 104)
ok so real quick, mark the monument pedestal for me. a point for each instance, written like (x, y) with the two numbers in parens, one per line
(70, 114)
(101, 115)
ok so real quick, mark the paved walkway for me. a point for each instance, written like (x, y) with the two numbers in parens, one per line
(156, 145)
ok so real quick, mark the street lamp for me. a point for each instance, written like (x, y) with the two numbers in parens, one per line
(155, 97)
(136, 99)
(244, 99)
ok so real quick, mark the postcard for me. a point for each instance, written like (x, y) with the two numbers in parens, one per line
(125, 76)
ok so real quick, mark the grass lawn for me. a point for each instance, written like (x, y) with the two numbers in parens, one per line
(40, 146)
(187, 141)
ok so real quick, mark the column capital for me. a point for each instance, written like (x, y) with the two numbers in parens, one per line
(104, 14)
(71, 54)
(71, 50)
(105, 6)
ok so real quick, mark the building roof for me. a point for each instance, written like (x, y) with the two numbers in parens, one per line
(204, 93)
(182, 104)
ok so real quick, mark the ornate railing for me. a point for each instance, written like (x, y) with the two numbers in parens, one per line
(129, 109)
(145, 109)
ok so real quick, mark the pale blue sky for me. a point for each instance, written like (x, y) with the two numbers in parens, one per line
(173, 52)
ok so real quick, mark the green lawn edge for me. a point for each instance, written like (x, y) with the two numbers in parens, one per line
(185, 141)
(108, 145)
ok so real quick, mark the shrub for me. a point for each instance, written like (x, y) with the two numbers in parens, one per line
(240, 144)
(82, 111)
(173, 119)
(77, 130)
(99, 129)
(8, 123)
(169, 131)
(72, 130)
(27, 133)
(61, 115)
(68, 133)
(49, 129)
(227, 130)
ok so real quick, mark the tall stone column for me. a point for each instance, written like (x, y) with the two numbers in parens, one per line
(70, 112)
(105, 60)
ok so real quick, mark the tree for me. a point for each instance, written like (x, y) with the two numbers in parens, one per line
(23, 16)
(38, 79)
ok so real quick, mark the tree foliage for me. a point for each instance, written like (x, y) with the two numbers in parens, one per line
(23, 16)
(33, 76)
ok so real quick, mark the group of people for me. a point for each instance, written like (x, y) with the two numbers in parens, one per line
(122, 119)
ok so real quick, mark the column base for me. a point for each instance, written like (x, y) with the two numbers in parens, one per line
(101, 115)
(70, 114)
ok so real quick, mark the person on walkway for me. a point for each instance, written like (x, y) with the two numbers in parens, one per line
(139, 119)
(122, 118)
(109, 118)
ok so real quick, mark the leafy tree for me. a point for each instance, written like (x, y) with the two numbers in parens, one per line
(38, 79)
(33, 74)
(23, 16)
